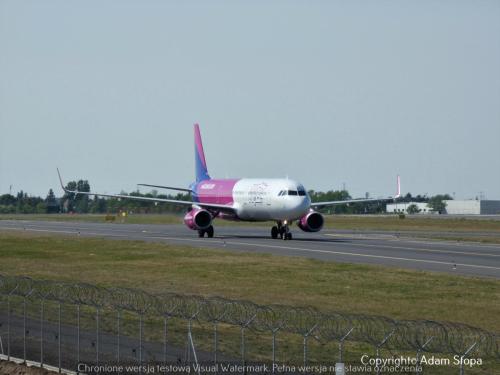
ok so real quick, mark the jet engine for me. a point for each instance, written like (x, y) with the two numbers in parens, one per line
(197, 219)
(311, 222)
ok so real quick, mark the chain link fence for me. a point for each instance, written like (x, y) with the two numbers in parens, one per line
(66, 324)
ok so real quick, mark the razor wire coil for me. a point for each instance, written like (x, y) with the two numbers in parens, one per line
(378, 331)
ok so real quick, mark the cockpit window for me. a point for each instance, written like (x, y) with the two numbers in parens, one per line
(301, 190)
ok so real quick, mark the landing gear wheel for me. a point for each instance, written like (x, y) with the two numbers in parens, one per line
(201, 233)
(274, 232)
(284, 230)
(287, 236)
(210, 231)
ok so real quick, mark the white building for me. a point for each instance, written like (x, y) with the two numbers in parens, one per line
(400, 208)
(453, 207)
(472, 207)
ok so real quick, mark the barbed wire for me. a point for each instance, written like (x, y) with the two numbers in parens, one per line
(378, 331)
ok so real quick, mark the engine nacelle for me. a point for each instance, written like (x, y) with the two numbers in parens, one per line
(198, 219)
(311, 222)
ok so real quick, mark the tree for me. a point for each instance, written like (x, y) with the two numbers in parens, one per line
(82, 200)
(331, 195)
(77, 202)
(41, 208)
(7, 200)
(407, 198)
(98, 205)
(436, 203)
(412, 209)
(51, 202)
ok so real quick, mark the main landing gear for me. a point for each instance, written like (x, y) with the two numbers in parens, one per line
(282, 230)
(209, 231)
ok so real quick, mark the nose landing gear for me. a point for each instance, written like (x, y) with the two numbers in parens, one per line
(282, 230)
(274, 232)
(209, 231)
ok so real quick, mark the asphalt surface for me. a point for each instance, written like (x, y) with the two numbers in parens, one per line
(371, 247)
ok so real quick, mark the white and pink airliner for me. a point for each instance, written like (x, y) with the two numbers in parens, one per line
(281, 200)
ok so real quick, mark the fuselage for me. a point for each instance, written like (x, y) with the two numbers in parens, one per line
(255, 199)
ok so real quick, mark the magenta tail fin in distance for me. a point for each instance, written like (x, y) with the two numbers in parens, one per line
(398, 192)
(199, 156)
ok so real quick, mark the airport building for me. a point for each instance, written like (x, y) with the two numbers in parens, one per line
(400, 208)
(473, 207)
(453, 207)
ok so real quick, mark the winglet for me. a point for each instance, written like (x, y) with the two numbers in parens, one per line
(398, 194)
(60, 180)
(62, 184)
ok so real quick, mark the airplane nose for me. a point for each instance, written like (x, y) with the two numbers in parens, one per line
(306, 202)
(302, 203)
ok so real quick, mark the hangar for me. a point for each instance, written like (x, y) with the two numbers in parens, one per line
(401, 207)
(453, 207)
(473, 207)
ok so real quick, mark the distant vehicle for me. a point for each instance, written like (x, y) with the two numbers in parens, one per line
(281, 200)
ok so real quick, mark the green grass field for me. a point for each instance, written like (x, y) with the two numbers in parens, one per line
(260, 278)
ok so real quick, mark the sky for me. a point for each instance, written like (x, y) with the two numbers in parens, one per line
(325, 92)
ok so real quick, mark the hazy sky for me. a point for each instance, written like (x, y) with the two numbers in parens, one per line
(325, 92)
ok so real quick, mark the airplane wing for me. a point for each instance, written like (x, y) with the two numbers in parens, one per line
(209, 206)
(167, 187)
(362, 200)
(336, 203)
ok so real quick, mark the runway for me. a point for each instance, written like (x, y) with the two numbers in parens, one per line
(379, 248)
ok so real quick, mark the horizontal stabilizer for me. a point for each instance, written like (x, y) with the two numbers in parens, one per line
(167, 187)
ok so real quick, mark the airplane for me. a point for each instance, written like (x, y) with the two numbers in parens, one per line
(281, 200)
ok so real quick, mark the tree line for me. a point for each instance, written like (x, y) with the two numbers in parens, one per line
(22, 203)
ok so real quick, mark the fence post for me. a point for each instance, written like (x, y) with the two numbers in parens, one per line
(97, 335)
(190, 337)
(380, 345)
(8, 324)
(59, 336)
(341, 343)
(243, 347)
(165, 332)
(24, 330)
(24, 323)
(77, 337)
(118, 336)
(215, 343)
(418, 354)
(467, 353)
(140, 341)
(274, 348)
(8, 327)
(188, 352)
(41, 330)
(306, 336)
(243, 351)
